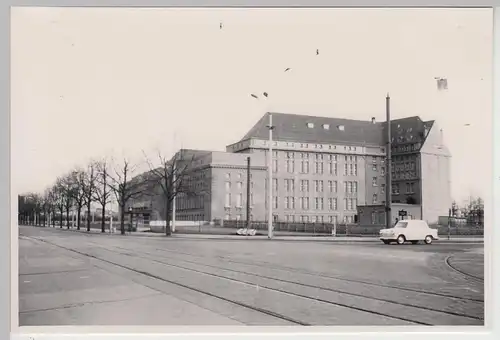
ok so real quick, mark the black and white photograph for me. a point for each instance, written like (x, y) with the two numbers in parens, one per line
(251, 166)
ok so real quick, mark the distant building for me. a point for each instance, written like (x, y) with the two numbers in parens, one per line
(323, 169)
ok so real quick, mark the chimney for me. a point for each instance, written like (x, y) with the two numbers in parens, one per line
(373, 120)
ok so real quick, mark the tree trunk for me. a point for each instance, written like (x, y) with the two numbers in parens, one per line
(103, 218)
(61, 217)
(67, 218)
(88, 217)
(78, 217)
(168, 231)
(122, 219)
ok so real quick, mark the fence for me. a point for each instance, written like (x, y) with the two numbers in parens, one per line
(347, 229)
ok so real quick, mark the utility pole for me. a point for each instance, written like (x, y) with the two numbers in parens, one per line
(449, 223)
(270, 176)
(388, 174)
(248, 193)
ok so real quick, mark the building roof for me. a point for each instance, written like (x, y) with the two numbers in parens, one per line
(313, 129)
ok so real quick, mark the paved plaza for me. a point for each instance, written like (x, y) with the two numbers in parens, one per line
(75, 278)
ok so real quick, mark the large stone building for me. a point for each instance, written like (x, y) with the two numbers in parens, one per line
(323, 169)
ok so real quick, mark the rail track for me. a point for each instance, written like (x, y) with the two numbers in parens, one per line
(148, 257)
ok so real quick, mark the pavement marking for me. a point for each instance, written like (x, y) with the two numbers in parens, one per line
(84, 277)
(27, 281)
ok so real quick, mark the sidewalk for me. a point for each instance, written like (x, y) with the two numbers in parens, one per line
(319, 238)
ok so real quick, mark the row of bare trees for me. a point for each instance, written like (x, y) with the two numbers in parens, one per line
(82, 187)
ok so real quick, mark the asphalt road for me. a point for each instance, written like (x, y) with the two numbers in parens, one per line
(70, 278)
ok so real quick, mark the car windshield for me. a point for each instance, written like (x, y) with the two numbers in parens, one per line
(401, 225)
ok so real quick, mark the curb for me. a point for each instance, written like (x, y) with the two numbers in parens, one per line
(294, 238)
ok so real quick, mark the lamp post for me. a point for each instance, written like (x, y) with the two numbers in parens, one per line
(131, 218)
(270, 172)
(270, 175)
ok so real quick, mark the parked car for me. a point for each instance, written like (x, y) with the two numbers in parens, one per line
(412, 231)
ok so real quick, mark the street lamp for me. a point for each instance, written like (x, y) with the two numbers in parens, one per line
(270, 172)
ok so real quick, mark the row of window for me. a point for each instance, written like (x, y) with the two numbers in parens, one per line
(239, 186)
(239, 200)
(186, 202)
(319, 168)
(410, 188)
(350, 204)
(349, 186)
(301, 218)
(318, 219)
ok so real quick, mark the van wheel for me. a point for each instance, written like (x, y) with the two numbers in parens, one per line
(428, 239)
(401, 239)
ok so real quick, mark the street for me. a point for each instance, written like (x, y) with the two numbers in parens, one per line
(74, 278)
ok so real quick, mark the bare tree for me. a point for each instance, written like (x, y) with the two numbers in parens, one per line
(67, 186)
(52, 205)
(77, 184)
(88, 189)
(37, 200)
(173, 177)
(59, 199)
(125, 187)
(102, 191)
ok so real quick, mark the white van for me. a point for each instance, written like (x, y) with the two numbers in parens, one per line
(409, 231)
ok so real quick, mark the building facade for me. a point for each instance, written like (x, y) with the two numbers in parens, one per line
(323, 170)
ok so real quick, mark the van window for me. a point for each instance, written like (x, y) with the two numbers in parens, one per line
(401, 224)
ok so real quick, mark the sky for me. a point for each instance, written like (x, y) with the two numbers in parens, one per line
(88, 83)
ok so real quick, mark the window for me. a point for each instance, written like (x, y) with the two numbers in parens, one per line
(275, 165)
(349, 204)
(228, 200)
(239, 185)
(290, 166)
(304, 185)
(345, 169)
(313, 219)
(319, 186)
(374, 217)
(228, 175)
(345, 187)
(310, 125)
(275, 202)
(304, 203)
(382, 188)
(289, 185)
(275, 153)
(332, 168)
(332, 219)
(332, 203)
(228, 186)
(326, 126)
(382, 170)
(275, 184)
(354, 186)
(340, 127)
(374, 181)
(374, 199)
(355, 169)
(304, 167)
(239, 200)
(290, 155)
